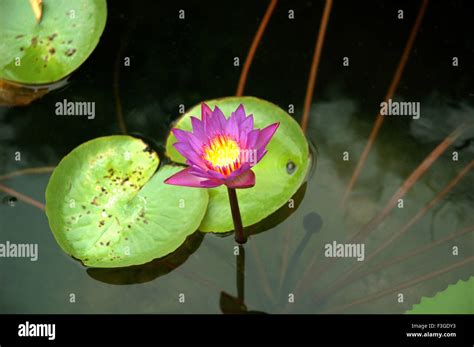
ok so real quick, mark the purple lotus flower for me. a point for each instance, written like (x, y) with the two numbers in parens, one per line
(221, 151)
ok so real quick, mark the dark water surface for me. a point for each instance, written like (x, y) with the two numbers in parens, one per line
(177, 62)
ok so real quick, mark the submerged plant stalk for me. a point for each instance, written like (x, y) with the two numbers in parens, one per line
(234, 207)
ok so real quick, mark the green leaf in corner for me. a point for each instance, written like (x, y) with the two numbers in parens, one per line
(456, 299)
(42, 52)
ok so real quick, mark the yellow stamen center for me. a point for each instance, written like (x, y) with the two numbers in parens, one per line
(222, 153)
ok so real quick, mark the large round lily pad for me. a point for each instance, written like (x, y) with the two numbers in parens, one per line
(34, 52)
(107, 207)
(278, 176)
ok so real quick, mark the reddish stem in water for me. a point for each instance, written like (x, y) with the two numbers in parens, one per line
(22, 197)
(253, 48)
(314, 65)
(32, 170)
(391, 91)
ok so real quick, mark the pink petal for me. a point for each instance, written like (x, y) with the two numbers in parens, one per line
(184, 178)
(205, 111)
(205, 173)
(245, 127)
(261, 153)
(212, 183)
(198, 171)
(192, 158)
(232, 127)
(252, 138)
(219, 119)
(198, 129)
(215, 175)
(239, 171)
(265, 135)
(239, 114)
(247, 124)
(245, 180)
(181, 135)
(185, 149)
(187, 137)
(212, 125)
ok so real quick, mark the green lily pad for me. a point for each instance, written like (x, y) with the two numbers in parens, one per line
(107, 207)
(456, 299)
(45, 52)
(278, 176)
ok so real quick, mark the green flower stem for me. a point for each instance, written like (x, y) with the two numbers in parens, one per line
(234, 206)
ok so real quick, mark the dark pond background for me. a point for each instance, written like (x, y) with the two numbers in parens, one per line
(177, 62)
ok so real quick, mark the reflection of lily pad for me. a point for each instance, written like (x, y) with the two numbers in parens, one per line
(279, 216)
(106, 208)
(149, 271)
(44, 52)
(278, 176)
(456, 299)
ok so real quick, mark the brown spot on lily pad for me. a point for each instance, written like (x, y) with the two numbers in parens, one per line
(70, 52)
